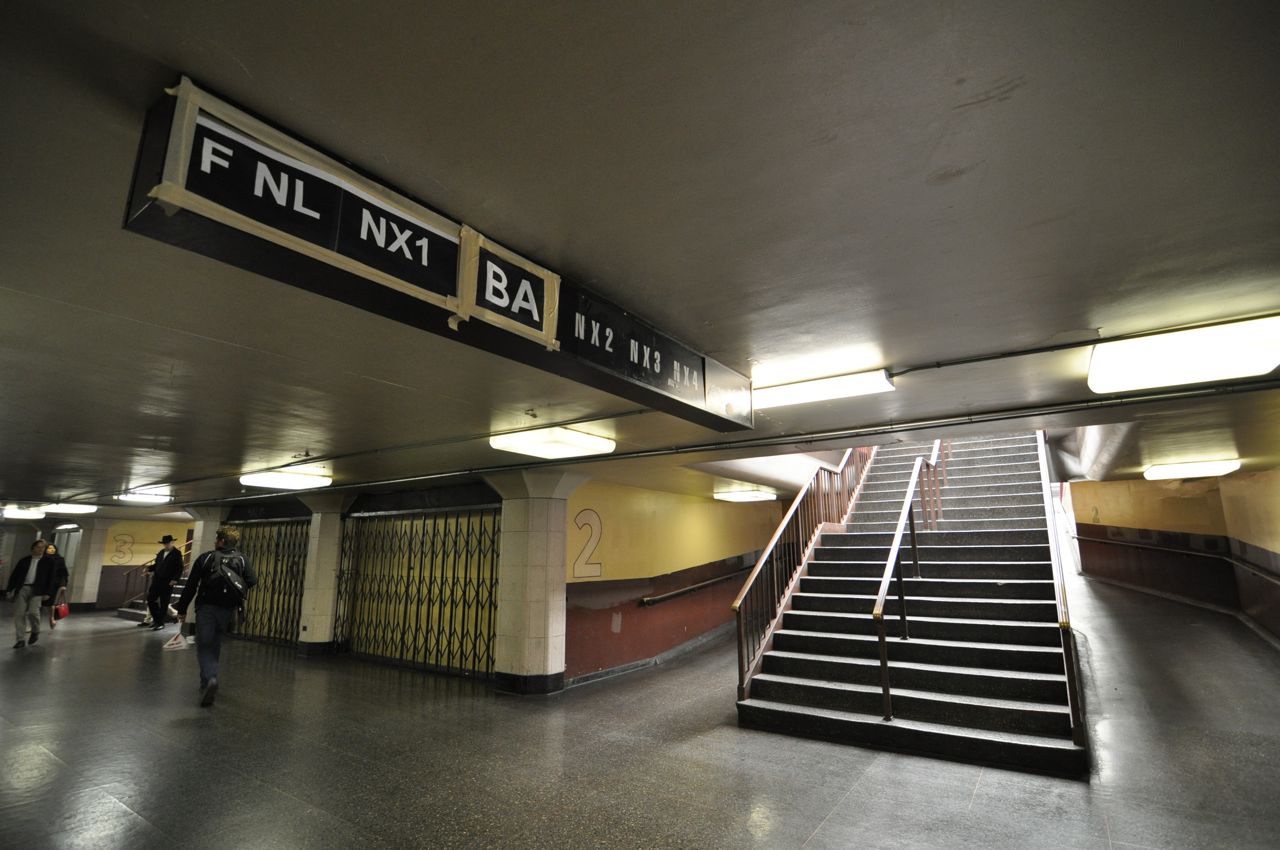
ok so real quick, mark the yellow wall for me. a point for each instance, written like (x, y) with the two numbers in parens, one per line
(133, 542)
(1192, 506)
(618, 532)
(1251, 504)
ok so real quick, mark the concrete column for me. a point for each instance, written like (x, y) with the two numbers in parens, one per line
(14, 543)
(205, 533)
(529, 655)
(320, 580)
(86, 563)
(206, 529)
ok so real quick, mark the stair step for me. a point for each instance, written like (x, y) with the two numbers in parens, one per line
(1027, 570)
(975, 712)
(1020, 632)
(1046, 753)
(937, 587)
(928, 537)
(993, 523)
(931, 606)
(937, 554)
(1002, 656)
(945, 678)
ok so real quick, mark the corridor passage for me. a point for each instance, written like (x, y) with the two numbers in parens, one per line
(102, 745)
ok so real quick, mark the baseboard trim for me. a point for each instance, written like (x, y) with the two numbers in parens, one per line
(510, 683)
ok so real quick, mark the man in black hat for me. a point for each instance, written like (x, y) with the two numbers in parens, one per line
(164, 575)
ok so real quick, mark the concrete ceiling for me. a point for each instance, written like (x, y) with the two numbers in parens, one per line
(906, 183)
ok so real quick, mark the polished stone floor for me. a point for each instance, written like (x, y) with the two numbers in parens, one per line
(102, 745)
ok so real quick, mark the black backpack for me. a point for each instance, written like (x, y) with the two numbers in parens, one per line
(224, 584)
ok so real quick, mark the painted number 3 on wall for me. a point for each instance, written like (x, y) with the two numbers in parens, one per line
(583, 566)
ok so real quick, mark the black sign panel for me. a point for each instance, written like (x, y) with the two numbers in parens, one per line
(289, 197)
(511, 291)
(609, 337)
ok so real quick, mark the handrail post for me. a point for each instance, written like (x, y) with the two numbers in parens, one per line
(884, 670)
(915, 548)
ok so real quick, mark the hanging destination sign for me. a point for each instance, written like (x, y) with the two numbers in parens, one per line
(219, 181)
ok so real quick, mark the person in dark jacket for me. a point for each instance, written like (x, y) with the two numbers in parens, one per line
(59, 589)
(165, 573)
(215, 604)
(29, 583)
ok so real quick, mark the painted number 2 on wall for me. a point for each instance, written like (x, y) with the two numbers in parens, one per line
(583, 566)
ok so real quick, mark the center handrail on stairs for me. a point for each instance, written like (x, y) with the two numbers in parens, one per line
(931, 507)
(1060, 597)
(825, 500)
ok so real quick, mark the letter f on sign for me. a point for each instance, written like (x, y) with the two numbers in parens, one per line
(209, 155)
(495, 285)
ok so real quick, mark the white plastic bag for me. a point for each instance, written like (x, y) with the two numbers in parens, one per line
(176, 642)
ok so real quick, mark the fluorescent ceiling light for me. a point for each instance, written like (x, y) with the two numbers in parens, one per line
(552, 443)
(62, 508)
(15, 512)
(1198, 469)
(746, 496)
(66, 526)
(286, 480)
(1218, 353)
(146, 497)
(822, 389)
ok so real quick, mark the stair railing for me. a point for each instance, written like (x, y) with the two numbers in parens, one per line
(766, 593)
(932, 472)
(1060, 597)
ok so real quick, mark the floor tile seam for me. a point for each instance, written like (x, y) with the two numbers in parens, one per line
(141, 817)
(853, 784)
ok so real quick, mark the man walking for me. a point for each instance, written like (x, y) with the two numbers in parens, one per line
(218, 581)
(30, 582)
(165, 573)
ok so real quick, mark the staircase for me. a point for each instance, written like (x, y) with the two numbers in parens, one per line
(982, 676)
(136, 609)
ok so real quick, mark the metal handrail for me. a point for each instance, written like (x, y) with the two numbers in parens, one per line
(931, 506)
(765, 596)
(1248, 566)
(1060, 596)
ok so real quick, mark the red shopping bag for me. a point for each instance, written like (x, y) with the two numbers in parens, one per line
(61, 611)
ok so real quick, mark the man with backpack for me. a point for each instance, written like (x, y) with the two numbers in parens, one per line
(219, 581)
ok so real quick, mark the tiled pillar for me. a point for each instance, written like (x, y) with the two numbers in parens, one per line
(14, 543)
(86, 564)
(203, 538)
(320, 579)
(529, 655)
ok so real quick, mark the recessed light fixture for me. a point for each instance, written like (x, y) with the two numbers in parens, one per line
(66, 526)
(281, 480)
(1217, 353)
(746, 496)
(1198, 469)
(65, 508)
(822, 389)
(146, 497)
(16, 512)
(552, 443)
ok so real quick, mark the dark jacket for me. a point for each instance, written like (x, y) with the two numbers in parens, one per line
(168, 566)
(60, 573)
(197, 581)
(44, 583)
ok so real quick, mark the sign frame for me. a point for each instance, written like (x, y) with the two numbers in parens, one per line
(468, 284)
(191, 101)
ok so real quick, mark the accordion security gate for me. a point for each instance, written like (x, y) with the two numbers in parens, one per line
(421, 589)
(278, 552)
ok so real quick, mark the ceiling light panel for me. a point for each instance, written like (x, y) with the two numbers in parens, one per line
(746, 496)
(15, 512)
(1196, 469)
(62, 508)
(1195, 356)
(552, 443)
(281, 480)
(146, 497)
(822, 389)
